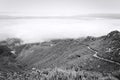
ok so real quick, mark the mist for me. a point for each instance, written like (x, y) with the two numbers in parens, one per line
(38, 30)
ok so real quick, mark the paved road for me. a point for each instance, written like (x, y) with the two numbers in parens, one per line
(107, 60)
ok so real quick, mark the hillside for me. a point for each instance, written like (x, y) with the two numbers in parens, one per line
(74, 54)
(94, 54)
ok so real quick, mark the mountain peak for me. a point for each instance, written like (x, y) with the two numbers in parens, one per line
(114, 35)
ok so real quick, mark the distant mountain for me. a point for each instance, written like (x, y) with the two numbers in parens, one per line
(104, 16)
(82, 16)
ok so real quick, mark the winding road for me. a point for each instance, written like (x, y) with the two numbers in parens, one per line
(95, 55)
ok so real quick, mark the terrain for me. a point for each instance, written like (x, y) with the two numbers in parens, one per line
(75, 53)
(91, 54)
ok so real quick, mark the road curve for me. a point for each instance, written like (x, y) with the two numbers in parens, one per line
(107, 60)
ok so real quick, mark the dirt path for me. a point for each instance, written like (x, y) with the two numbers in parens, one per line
(107, 60)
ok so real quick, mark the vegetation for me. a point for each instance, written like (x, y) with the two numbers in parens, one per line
(72, 57)
(56, 74)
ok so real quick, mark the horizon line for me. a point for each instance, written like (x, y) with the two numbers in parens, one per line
(5, 16)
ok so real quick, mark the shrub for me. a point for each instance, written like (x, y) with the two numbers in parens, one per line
(55, 74)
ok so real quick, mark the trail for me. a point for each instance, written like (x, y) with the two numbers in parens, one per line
(107, 60)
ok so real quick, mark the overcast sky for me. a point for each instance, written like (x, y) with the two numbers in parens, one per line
(58, 7)
(41, 29)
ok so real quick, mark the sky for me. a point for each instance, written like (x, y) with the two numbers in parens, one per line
(43, 29)
(58, 7)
